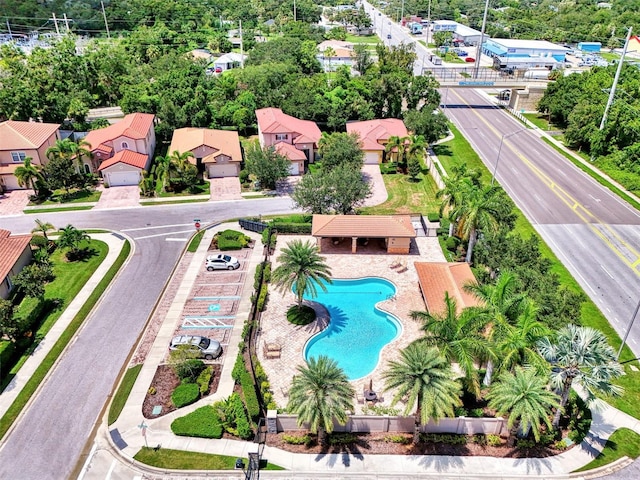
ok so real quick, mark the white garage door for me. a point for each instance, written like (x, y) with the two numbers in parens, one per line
(10, 182)
(222, 170)
(117, 179)
(294, 168)
(371, 158)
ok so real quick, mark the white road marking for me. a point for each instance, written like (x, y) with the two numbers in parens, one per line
(634, 342)
(596, 199)
(157, 226)
(606, 271)
(163, 234)
(176, 239)
(111, 468)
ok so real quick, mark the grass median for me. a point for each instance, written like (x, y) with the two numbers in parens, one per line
(181, 460)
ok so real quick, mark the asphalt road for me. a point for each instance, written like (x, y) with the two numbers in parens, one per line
(49, 439)
(593, 232)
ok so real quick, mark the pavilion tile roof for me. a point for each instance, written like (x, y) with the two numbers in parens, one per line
(369, 226)
(128, 157)
(436, 278)
(135, 126)
(11, 247)
(25, 135)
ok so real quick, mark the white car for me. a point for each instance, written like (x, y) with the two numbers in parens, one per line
(209, 349)
(221, 262)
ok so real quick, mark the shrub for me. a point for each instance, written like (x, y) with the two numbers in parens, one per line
(579, 418)
(294, 228)
(238, 368)
(250, 397)
(203, 381)
(452, 243)
(7, 350)
(494, 440)
(302, 315)
(560, 445)
(525, 443)
(397, 438)
(225, 244)
(202, 423)
(380, 410)
(243, 428)
(257, 278)
(38, 241)
(342, 438)
(262, 298)
(297, 439)
(185, 394)
(476, 413)
(189, 369)
(433, 216)
(480, 439)
(243, 176)
(266, 275)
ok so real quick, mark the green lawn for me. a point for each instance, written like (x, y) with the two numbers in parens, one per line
(60, 209)
(181, 460)
(458, 151)
(371, 39)
(541, 121)
(195, 242)
(176, 202)
(121, 396)
(76, 196)
(623, 442)
(198, 189)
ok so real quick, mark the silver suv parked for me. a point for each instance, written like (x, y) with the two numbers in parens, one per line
(209, 349)
(221, 262)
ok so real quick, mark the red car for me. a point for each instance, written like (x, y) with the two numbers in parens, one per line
(469, 59)
(218, 69)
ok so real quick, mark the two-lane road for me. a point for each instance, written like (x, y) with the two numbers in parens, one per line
(592, 231)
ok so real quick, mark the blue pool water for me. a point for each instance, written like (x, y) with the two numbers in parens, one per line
(358, 330)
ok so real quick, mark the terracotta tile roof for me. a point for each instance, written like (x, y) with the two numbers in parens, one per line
(371, 132)
(289, 151)
(25, 135)
(128, 157)
(436, 278)
(370, 226)
(11, 247)
(188, 139)
(135, 126)
(273, 120)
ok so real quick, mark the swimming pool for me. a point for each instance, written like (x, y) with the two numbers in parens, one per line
(358, 330)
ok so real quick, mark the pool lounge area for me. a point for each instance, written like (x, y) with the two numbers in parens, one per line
(276, 330)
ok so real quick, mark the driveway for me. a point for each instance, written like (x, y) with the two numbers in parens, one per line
(372, 175)
(119, 197)
(13, 202)
(225, 188)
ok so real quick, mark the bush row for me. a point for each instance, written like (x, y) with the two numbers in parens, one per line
(250, 397)
(262, 297)
(296, 228)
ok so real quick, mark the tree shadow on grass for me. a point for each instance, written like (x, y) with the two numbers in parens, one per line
(81, 254)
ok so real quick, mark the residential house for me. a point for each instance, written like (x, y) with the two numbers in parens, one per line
(15, 254)
(228, 61)
(634, 45)
(438, 278)
(333, 53)
(276, 127)
(120, 152)
(375, 134)
(217, 152)
(19, 140)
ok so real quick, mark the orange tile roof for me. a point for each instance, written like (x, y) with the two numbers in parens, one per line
(128, 157)
(372, 131)
(25, 135)
(225, 141)
(370, 226)
(436, 278)
(11, 247)
(273, 120)
(289, 151)
(135, 126)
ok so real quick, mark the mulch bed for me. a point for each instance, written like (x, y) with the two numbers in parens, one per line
(165, 381)
(378, 444)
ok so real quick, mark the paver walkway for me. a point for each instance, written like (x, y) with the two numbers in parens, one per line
(226, 188)
(14, 202)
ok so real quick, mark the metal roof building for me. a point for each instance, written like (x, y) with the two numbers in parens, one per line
(509, 47)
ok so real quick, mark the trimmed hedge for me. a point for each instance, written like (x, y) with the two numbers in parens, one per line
(433, 216)
(238, 368)
(185, 394)
(262, 298)
(228, 244)
(202, 423)
(203, 381)
(297, 228)
(266, 278)
(7, 350)
(250, 397)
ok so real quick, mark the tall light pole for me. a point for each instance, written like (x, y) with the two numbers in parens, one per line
(428, 22)
(612, 93)
(626, 334)
(506, 135)
(402, 12)
(479, 49)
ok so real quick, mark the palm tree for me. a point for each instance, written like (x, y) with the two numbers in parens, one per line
(477, 210)
(28, 174)
(303, 269)
(43, 227)
(162, 173)
(64, 148)
(524, 396)
(179, 164)
(502, 305)
(581, 355)
(321, 392)
(396, 146)
(70, 237)
(416, 146)
(424, 380)
(458, 337)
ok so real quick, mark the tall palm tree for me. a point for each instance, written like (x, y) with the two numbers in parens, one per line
(501, 306)
(301, 268)
(43, 227)
(28, 174)
(524, 396)
(424, 380)
(416, 146)
(64, 148)
(162, 173)
(179, 164)
(477, 210)
(396, 146)
(321, 392)
(518, 343)
(458, 337)
(581, 355)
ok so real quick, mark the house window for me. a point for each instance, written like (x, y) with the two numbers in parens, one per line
(18, 157)
(282, 136)
(87, 168)
(125, 145)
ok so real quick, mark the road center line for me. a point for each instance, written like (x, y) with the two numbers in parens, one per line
(157, 226)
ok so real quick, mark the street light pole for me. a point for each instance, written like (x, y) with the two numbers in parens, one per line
(626, 334)
(428, 22)
(479, 49)
(495, 168)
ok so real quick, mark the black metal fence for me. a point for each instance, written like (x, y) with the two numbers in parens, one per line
(252, 225)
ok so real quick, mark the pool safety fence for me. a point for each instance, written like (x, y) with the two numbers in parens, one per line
(396, 424)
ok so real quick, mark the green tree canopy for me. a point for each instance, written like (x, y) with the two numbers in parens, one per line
(266, 165)
(339, 149)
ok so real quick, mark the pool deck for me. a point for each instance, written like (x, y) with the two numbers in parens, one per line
(369, 262)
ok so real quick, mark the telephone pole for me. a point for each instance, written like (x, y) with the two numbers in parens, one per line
(55, 21)
(612, 93)
(106, 25)
(66, 21)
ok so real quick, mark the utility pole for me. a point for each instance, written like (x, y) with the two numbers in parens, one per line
(106, 25)
(9, 28)
(55, 21)
(428, 23)
(241, 46)
(612, 93)
(479, 49)
(295, 13)
(402, 13)
(66, 21)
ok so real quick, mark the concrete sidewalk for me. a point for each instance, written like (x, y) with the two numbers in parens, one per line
(10, 393)
(117, 444)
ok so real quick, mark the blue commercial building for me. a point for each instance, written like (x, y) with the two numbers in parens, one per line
(513, 53)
